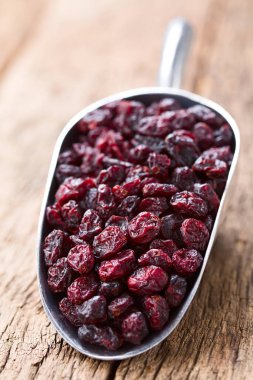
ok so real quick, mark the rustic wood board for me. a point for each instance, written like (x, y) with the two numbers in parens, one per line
(58, 56)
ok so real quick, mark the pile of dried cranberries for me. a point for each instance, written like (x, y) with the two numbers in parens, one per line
(137, 198)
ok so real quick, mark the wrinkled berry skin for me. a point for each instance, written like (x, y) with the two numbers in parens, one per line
(109, 242)
(189, 203)
(194, 234)
(82, 288)
(81, 259)
(147, 280)
(110, 289)
(70, 311)
(144, 227)
(176, 290)
(56, 245)
(167, 246)
(186, 261)
(118, 267)
(157, 311)
(102, 336)
(91, 225)
(59, 275)
(156, 257)
(120, 305)
(93, 310)
(170, 226)
(134, 328)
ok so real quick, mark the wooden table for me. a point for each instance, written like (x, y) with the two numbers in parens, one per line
(58, 56)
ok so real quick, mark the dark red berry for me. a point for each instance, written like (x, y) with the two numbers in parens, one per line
(102, 336)
(207, 192)
(129, 206)
(209, 223)
(59, 275)
(109, 242)
(134, 328)
(203, 135)
(147, 280)
(70, 311)
(156, 205)
(154, 126)
(95, 118)
(179, 119)
(189, 203)
(157, 311)
(184, 178)
(170, 226)
(120, 305)
(182, 147)
(111, 176)
(82, 288)
(139, 154)
(194, 234)
(210, 167)
(159, 165)
(94, 310)
(119, 221)
(159, 189)
(223, 153)
(167, 246)
(64, 171)
(73, 188)
(91, 225)
(110, 289)
(202, 113)
(56, 245)
(105, 201)
(186, 261)
(156, 257)
(176, 290)
(144, 227)
(81, 258)
(223, 135)
(71, 216)
(116, 268)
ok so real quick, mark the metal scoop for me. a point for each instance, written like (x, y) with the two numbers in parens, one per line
(177, 41)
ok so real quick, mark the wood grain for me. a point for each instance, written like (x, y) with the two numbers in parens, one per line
(58, 56)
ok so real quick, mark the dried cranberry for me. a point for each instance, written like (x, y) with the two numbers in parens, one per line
(179, 119)
(98, 117)
(155, 144)
(147, 280)
(176, 290)
(68, 157)
(155, 126)
(109, 242)
(119, 221)
(182, 147)
(138, 171)
(59, 275)
(70, 311)
(202, 113)
(73, 188)
(56, 245)
(194, 234)
(167, 104)
(189, 203)
(223, 153)
(134, 328)
(209, 223)
(71, 216)
(82, 288)
(81, 259)
(144, 227)
(159, 189)
(157, 311)
(131, 187)
(102, 336)
(223, 135)
(92, 161)
(186, 261)
(170, 225)
(128, 206)
(204, 135)
(118, 267)
(64, 171)
(156, 205)
(90, 199)
(110, 289)
(120, 305)
(184, 178)
(105, 201)
(210, 167)
(156, 257)
(90, 225)
(94, 310)
(139, 154)
(167, 246)
(111, 176)
(207, 192)
(54, 217)
(159, 165)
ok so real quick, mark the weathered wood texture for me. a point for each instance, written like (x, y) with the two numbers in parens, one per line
(56, 57)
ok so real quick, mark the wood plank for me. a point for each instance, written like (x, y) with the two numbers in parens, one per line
(80, 51)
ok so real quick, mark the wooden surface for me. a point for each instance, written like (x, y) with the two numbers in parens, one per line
(55, 58)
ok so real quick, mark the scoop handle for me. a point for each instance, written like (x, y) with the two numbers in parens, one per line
(176, 46)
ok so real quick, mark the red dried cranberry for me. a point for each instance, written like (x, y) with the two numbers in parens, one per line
(105, 201)
(204, 135)
(103, 336)
(94, 310)
(159, 165)
(189, 203)
(167, 246)
(202, 113)
(128, 206)
(68, 157)
(170, 225)
(110, 289)
(194, 234)
(111, 176)
(182, 147)
(223, 135)
(81, 259)
(209, 223)
(120, 305)
(223, 153)
(131, 187)
(155, 126)
(184, 178)
(137, 171)
(159, 189)
(92, 160)
(186, 261)
(167, 104)
(118, 267)
(210, 167)
(148, 180)
(157, 311)
(156, 205)
(207, 192)
(176, 290)
(134, 328)
(59, 275)
(56, 245)
(69, 311)
(73, 188)
(153, 143)
(90, 225)
(144, 227)
(156, 257)
(109, 242)
(147, 280)
(139, 154)
(95, 118)
(119, 221)
(82, 288)
(64, 171)
(179, 119)
(54, 217)
(71, 216)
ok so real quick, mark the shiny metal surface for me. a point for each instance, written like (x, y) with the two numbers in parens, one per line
(65, 329)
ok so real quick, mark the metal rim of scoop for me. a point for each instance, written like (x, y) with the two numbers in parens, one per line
(177, 40)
